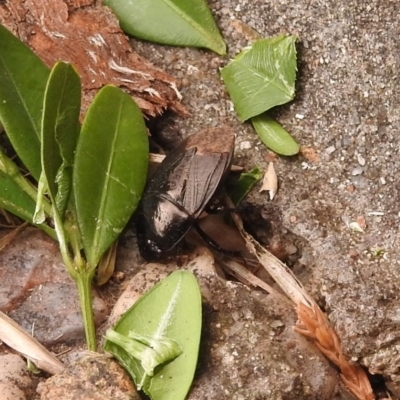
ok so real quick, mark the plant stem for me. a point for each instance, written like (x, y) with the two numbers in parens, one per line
(84, 283)
(45, 228)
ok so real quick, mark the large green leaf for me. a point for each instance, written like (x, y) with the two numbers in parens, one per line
(262, 76)
(23, 78)
(60, 130)
(274, 136)
(169, 313)
(110, 169)
(173, 22)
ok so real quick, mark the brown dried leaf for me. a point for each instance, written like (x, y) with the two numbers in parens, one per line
(87, 35)
(106, 266)
(270, 181)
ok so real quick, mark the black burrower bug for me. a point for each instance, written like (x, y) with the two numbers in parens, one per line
(181, 189)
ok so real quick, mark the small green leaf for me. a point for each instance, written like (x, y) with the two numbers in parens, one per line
(18, 202)
(170, 310)
(110, 169)
(60, 130)
(241, 188)
(172, 22)
(148, 351)
(274, 136)
(39, 216)
(17, 195)
(262, 76)
(14, 199)
(23, 78)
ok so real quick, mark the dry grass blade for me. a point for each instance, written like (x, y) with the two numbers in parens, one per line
(281, 274)
(313, 324)
(245, 276)
(18, 339)
(9, 218)
(7, 239)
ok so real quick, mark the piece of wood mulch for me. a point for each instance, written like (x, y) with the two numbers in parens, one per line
(87, 34)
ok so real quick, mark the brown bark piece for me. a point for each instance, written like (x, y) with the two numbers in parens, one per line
(87, 35)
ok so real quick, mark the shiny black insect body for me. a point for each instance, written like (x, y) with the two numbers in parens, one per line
(181, 188)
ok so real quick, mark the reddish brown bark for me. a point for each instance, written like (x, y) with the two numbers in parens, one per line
(87, 35)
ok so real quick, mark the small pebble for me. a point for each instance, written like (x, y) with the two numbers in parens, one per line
(353, 253)
(361, 159)
(355, 226)
(361, 221)
(245, 145)
(225, 11)
(330, 150)
(299, 116)
(291, 249)
(357, 171)
(185, 82)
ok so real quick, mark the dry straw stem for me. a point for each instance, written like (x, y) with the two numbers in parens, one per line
(20, 340)
(313, 324)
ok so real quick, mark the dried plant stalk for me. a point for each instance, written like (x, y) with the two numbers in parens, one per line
(7, 239)
(313, 324)
(20, 340)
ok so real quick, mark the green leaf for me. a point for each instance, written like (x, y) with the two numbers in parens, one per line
(17, 195)
(262, 76)
(39, 216)
(150, 352)
(172, 22)
(110, 169)
(14, 199)
(241, 188)
(23, 78)
(274, 136)
(172, 310)
(60, 130)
